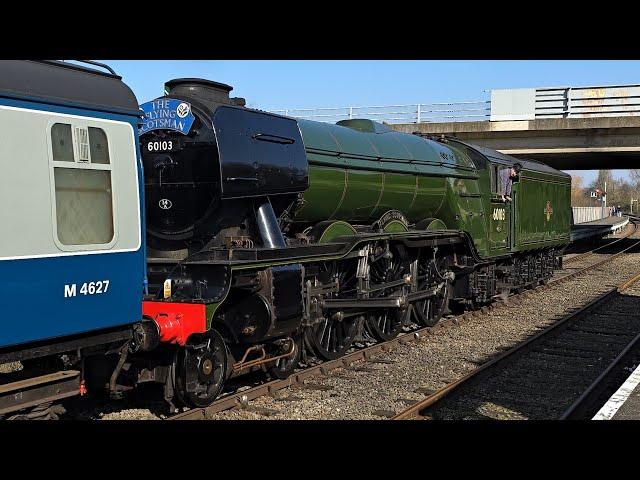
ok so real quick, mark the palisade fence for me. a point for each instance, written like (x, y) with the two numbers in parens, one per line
(503, 105)
(589, 214)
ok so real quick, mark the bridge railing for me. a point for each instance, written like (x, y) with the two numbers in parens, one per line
(408, 113)
(505, 105)
(584, 102)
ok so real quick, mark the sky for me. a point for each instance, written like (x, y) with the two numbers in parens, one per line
(282, 84)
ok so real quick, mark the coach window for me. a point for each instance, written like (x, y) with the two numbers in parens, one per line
(98, 146)
(61, 142)
(83, 190)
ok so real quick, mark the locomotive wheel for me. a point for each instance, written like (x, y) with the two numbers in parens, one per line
(200, 369)
(284, 367)
(332, 336)
(387, 323)
(430, 310)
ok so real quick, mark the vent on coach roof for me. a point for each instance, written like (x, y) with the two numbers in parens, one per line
(82, 142)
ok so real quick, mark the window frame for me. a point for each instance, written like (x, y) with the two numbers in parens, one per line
(494, 173)
(111, 167)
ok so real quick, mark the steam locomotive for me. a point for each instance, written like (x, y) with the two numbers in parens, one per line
(269, 236)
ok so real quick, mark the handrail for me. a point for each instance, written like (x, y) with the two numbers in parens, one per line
(92, 63)
(99, 64)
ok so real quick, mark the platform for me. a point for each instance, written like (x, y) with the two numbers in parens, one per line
(625, 403)
(598, 228)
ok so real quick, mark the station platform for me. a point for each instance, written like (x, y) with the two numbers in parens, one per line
(598, 228)
(625, 403)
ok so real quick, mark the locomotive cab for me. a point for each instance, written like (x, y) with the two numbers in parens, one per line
(503, 190)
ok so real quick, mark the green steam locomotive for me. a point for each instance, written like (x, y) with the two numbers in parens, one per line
(268, 237)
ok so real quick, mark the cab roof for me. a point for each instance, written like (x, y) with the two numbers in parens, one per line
(495, 156)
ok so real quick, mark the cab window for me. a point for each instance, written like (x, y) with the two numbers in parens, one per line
(500, 179)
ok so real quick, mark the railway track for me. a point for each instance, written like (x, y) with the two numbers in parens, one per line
(605, 253)
(558, 373)
(371, 354)
(628, 231)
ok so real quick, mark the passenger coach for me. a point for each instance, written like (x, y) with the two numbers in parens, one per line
(72, 253)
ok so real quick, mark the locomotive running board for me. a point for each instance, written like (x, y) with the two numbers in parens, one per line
(255, 257)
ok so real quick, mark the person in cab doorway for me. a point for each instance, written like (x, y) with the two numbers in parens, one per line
(507, 177)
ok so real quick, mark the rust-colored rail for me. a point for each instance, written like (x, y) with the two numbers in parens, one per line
(240, 398)
(414, 410)
(582, 402)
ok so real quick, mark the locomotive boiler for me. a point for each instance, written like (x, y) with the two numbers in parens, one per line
(269, 236)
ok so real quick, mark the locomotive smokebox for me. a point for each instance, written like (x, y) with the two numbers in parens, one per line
(207, 160)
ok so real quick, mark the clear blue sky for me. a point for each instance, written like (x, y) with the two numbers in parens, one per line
(272, 85)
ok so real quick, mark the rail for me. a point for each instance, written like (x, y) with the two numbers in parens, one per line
(93, 64)
(414, 411)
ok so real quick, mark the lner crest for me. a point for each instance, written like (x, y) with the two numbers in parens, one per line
(548, 210)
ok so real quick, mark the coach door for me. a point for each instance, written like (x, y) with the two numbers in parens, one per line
(500, 214)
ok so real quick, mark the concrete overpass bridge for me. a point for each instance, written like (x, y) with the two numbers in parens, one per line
(563, 143)
(569, 128)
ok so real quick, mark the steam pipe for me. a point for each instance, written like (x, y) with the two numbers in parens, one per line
(268, 225)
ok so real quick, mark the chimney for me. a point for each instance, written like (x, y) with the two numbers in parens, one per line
(213, 94)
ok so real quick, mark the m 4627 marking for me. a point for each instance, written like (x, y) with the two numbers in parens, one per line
(87, 288)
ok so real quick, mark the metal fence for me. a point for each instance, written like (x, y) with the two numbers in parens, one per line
(508, 104)
(412, 113)
(589, 214)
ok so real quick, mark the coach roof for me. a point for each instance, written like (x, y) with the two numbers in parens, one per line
(66, 84)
